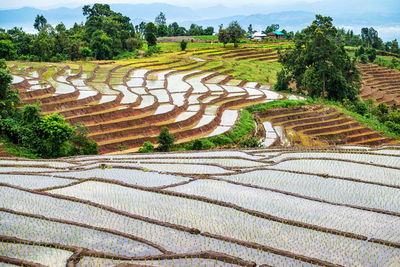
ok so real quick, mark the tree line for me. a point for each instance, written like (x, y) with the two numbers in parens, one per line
(104, 35)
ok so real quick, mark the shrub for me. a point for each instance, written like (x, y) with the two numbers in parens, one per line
(183, 45)
(207, 144)
(165, 140)
(147, 147)
(250, 142)
(197, 145)
(151, 50)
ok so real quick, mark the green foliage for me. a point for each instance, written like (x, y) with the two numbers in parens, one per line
(160, 19)
(197, 145)
(165, 140)
(371, 54)
(223, 36)
(44, 136)
(278, 104)
(183, 45)
(127, 55)
(152, 50)
(44, 44)
(283, 81)
(250, 142)
(235, 32)
(80, 144)
(40, 22)
(7, 50)
(162, 30)
(271, 28)
(101, 44)
(133, 43)
(9, 99)
(150, 34)
(147, 147)
(318, 65)
(85, 52)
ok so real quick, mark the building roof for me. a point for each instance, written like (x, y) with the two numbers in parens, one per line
(259, 34)
(278, 33)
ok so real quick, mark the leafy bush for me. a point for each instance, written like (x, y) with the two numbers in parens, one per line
(147, 147)
(183, 45)
(151, 50)
(165, 140)
(250, 142)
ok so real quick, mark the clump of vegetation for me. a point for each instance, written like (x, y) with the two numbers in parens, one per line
(183, 45)
(318, 65)
(147, 147)
(165, 140)
(232, 34)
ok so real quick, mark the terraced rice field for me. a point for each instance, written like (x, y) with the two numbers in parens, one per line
(316, 125)
(380, 83)
(124, 104)
(336, 206)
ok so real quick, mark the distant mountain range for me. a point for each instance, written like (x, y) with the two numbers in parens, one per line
(385, 20)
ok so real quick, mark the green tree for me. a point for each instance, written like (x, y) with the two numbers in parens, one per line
(147, 147)
(44, 43)
(235, 32)
(394, 46)
(160, 19)
(165, 140)
(371, 54)
(209, 31)
(162, 30)
(271, 28)
(7, 50)
(85, 52)
(370, 37)
(223, 36)
(40, 22)
(318, 65)
(183, 45)
(250, 29)
(150, 34)
(22, 41)
(101, 45)
(8, 98)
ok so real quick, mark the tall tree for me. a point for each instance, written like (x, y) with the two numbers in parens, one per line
(150, 34)
(162, 30)
(40, 22)
(101, 45)
(7, 50)
(223, 36)
(165, 140)
(235, 32)
(250, 29)
(319, 65)
(161, 19)
(44, 43)
(271, 28)
(8, 98)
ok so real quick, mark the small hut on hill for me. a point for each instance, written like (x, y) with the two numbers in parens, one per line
(258, 36)
(276, 35)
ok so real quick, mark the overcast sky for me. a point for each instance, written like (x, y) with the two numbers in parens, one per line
(47, 4)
